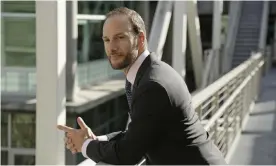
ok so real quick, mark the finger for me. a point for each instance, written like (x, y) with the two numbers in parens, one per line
(67, 140)
(74, 151)
(81, 123)
(65, 128)
(70, 146)
(69, 135)
(90, 133)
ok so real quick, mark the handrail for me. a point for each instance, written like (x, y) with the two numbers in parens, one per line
(209, 91)
(226, 122)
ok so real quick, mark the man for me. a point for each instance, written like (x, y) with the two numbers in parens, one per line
(164, 127)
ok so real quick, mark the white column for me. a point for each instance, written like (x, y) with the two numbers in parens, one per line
(72, 37)
(160, 27)
(217, 11)
(179, 37)
(51, 93)
(216, 43)
(195, 40)
(263, 30)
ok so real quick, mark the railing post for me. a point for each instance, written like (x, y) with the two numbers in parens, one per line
(227, 130)
(258, 78)
(244, 103)
(216, 126)
(199, 111)
(239, 112)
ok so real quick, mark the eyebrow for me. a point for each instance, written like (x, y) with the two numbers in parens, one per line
(120, 33)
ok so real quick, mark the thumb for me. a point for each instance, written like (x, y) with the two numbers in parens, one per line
(81, 123)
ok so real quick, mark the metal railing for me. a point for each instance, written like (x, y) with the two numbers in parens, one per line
(223, 105)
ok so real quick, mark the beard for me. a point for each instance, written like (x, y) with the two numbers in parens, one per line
(125, 61)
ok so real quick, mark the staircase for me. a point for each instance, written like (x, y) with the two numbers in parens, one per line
(249, 31)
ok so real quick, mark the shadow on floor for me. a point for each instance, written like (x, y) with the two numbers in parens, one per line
(257, 144)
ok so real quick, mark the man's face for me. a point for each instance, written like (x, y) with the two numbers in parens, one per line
(121, 45)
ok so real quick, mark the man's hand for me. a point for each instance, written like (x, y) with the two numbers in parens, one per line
(69, 145)
(76, 137)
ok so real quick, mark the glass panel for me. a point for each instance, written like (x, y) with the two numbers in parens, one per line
(24, 160)
(19, 37)
(4, 129)
(18, 6)
(4, 157)
(23, 130)
(18, 44)
(20, 59)
(90, 41)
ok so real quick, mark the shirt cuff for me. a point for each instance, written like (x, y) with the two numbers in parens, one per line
(102, 138)
(84, 147)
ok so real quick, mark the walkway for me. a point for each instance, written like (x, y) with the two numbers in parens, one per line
(257, 144)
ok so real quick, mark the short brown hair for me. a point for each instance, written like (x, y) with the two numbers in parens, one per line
(135, 19)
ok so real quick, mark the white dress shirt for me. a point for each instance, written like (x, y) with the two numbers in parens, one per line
(131, 75)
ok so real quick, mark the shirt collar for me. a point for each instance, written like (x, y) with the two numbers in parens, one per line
(131, 75)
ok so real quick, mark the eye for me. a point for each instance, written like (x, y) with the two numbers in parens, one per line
(106, 40)
(121, 37)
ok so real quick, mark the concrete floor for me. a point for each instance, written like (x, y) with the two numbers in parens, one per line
(257, 144)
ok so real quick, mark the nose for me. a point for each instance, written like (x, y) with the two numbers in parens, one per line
(113, 46)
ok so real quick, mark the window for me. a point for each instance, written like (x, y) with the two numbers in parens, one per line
(18, 6)
(20, 59)
(23, 130)
(19, 44)
(4, 129)
(24, 160)
(24, 37)
(4, 157)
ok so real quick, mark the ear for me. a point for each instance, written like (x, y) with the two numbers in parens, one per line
(141, 38)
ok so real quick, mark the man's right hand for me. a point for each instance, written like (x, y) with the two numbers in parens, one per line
(87, 129)
(84, 128)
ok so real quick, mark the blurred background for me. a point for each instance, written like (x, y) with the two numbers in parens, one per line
(97, 91)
